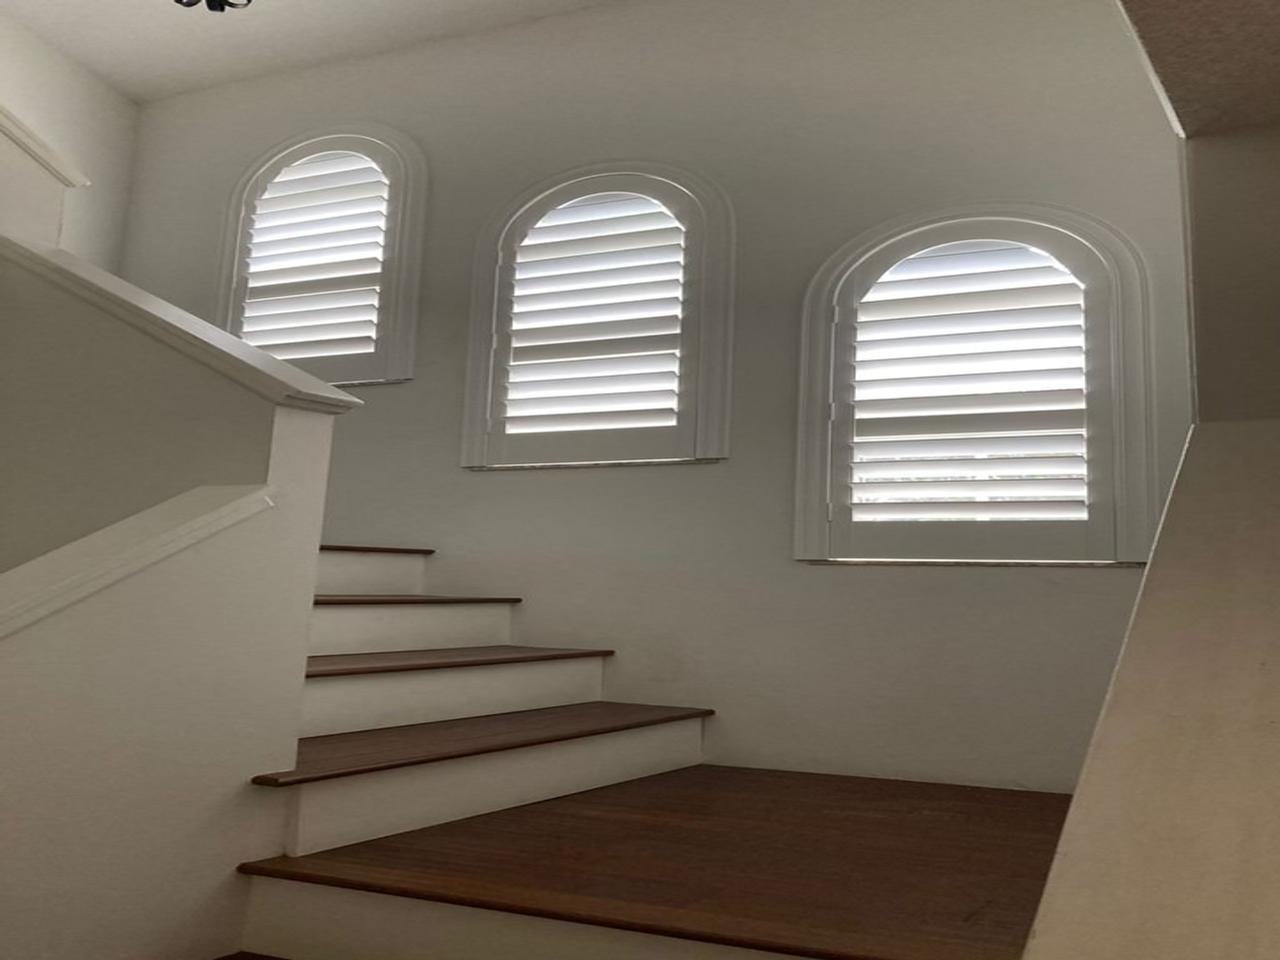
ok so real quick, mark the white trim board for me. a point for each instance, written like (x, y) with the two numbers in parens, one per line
(36, 147)
(64, 576)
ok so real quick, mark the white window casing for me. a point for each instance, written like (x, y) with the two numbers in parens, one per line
(601, 334)
(323, 267)
(975, 389)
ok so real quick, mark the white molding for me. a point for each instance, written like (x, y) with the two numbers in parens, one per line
(36, 147)
(64, 576)
(712, 279)
(405, 164)
(1136, 478)
(277, 381)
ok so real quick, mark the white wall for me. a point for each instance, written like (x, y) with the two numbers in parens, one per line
(1234, 190)
(135, 718)
(83, 119)
(1171, 845)
(104, 420)
(821, 119)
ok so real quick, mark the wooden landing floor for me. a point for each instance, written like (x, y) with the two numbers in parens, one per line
(804, 864)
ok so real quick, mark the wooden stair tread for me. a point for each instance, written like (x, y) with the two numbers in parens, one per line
(396, 661)
(379, 599)
(813, 865)
(365, 751)
(353, 548)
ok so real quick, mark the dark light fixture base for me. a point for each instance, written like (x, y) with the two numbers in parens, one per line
(217, 6)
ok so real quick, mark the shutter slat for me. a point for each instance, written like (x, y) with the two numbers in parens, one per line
(311, 199)
(952, 264)
(338, 253)
(625, 276)
(319, 227)
(324, 348)
(591, 229)
(310, 318)
(325, 211)
(606, 207)
(315, 333)
(962, 343)
(339, 296)
(967, 425)
(324, 164)
(1057, 488)
(596, 314)
(596, 245)
(317, 241)
(643, 327)
(1047, 510)
(586, 386)
(608, 367)
(323, 271)
(629, 293)
(977, 447)
(967, 284)
(952, 406)
(587, 264)
(1058, 295)
(977, 322)
(588, 349)
(324, 181)
(970, 385)
(972, 468)
(597, 403)
(618, 420)
(996, 361)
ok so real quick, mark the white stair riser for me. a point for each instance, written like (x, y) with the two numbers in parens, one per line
(307, 921)
(372, 628)
(341, 571)
(332, 813)
(340, 704)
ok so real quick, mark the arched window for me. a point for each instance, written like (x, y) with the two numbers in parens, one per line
(602, 337)
(973, 409)
(325, 270)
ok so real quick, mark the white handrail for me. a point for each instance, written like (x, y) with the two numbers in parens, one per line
(281, 383)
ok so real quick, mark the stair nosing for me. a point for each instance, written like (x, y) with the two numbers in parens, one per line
(534, 655)
(287, 778)
(357, 548)
(401, 599)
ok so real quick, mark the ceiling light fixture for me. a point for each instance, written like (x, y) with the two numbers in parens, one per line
(217, 6)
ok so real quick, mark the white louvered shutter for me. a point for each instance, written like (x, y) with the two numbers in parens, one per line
(312, 275)
(968, 396)
(596, 308)
(592, 350)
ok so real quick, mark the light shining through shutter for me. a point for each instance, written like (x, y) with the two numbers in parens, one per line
(596, 308)
(314, 261)
(969, 389)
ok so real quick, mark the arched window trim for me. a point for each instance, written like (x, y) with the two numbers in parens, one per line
(405, 167)
(1117, 322)
(705, 214)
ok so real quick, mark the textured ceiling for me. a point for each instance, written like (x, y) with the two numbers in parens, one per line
(1219, 60)
(154, 48)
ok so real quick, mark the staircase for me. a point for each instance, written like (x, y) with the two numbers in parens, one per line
(418, 709)
(457, 796)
